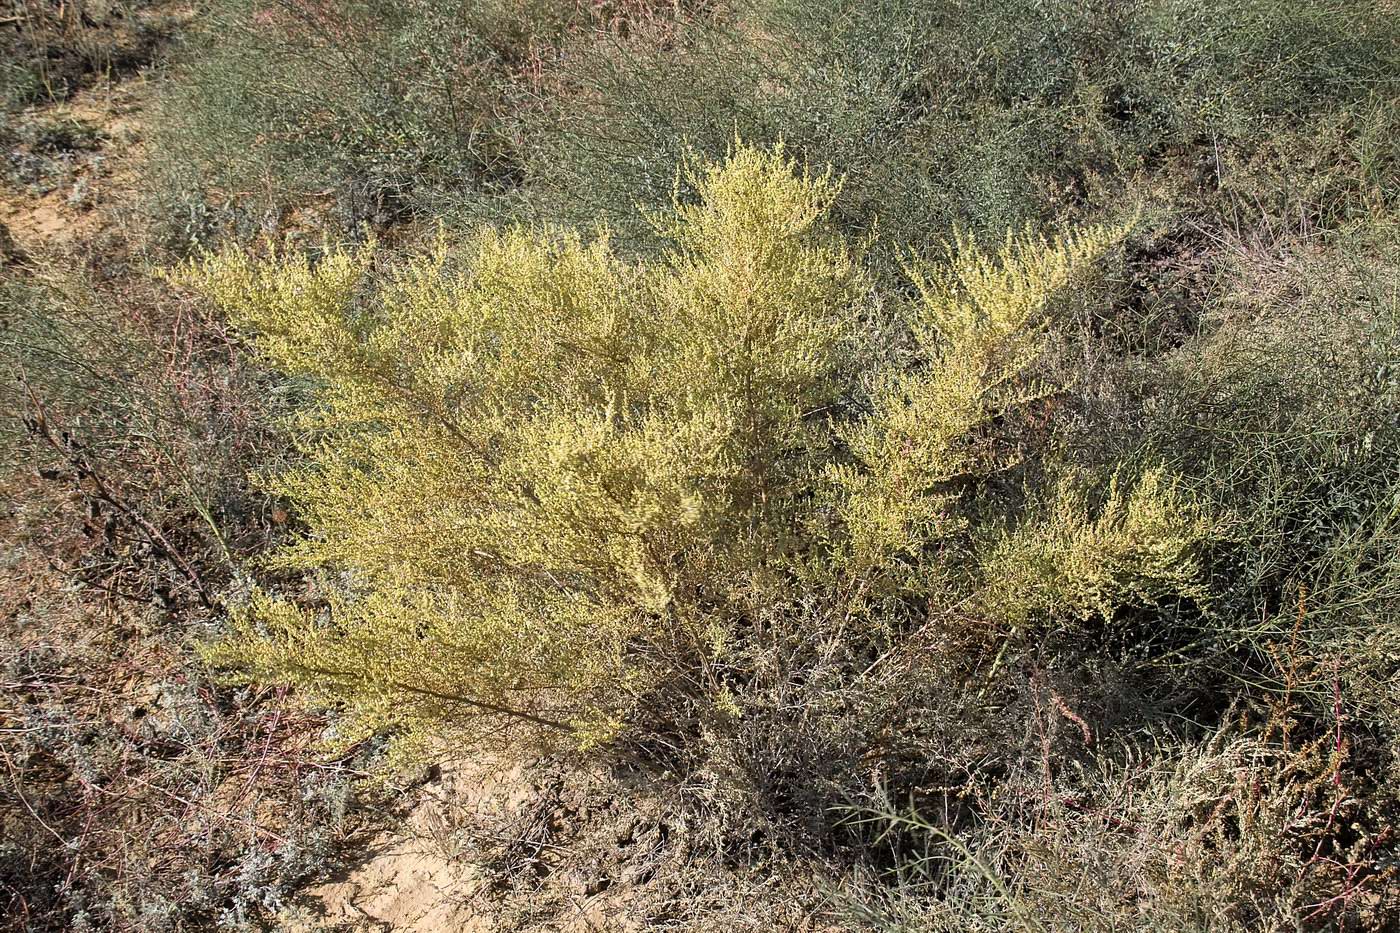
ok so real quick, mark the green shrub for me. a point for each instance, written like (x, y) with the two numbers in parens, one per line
(386, 108)
(560, 113)
(979, 115)
(1284, 409)
(1141, 549)
(568, 489)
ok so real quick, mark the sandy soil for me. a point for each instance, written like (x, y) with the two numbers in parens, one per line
(90, 198)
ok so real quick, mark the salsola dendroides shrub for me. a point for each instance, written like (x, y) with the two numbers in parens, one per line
(561, 484)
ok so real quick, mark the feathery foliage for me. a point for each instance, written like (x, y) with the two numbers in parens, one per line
(558, 483)
(1140, 550)
(979, 325)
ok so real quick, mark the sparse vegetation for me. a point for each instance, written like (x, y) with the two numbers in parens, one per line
(908, 465)
(51, 50)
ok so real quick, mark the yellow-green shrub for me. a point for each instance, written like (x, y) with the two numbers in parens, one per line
(558, 482)
(1141, 547)
(979, 325)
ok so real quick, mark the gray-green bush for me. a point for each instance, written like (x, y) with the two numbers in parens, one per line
(382, 109)
(981, 115)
